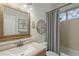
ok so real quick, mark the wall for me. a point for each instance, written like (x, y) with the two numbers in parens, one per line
(39, 12)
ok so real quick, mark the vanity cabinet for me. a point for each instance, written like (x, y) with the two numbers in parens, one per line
(42, 53)
(14, 23)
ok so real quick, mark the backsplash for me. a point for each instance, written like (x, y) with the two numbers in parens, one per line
(11, 44)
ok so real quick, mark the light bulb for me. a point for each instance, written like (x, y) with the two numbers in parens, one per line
(30, 9)
(25, 5)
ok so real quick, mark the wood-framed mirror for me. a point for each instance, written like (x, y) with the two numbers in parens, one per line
(14, 23)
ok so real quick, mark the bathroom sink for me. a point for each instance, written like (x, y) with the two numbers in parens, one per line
(29, 51)
(26, 50)
(21, 51)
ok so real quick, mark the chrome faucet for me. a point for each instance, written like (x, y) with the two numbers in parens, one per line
(20, 43)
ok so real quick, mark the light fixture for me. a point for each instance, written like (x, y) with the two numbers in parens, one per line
(30, 8)
(24, 5)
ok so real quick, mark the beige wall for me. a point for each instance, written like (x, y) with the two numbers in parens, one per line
(69, 34)
(39, 12)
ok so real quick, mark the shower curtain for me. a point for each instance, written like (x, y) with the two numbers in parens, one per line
(52, 31)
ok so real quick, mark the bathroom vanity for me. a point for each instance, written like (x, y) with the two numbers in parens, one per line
(31, 49)
(15, 27)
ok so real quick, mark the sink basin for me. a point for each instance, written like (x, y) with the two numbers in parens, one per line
(29, 50)
(26, 50)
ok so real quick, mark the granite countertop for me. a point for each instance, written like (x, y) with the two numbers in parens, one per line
(30, 49)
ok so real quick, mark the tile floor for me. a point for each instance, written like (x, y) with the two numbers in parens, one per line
(49, 53)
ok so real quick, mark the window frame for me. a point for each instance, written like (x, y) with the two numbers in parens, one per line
(66, 11)
(71, 15)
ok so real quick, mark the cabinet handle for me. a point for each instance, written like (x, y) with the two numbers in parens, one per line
(22, 54)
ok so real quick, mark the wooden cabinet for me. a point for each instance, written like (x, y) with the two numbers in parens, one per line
(42, 53)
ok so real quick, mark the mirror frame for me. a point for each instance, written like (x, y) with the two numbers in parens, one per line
(12, 37)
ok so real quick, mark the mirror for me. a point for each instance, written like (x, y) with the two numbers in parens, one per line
(15, 22)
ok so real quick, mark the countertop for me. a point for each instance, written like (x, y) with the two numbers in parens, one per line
(30, 49)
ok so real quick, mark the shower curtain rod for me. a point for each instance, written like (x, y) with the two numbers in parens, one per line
(61, 7)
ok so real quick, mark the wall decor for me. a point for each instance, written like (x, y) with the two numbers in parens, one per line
(33, 24)
(41, 26)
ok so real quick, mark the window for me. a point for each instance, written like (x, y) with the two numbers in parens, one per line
(73, 14)
(69, 15)
(62, 16)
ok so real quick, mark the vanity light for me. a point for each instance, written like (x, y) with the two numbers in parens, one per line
(25, 5)
(30, 8)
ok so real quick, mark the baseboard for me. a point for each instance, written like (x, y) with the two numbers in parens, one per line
(70, 52)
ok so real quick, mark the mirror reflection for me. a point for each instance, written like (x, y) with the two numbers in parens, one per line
(15, 22)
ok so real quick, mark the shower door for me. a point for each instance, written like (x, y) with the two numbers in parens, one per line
(53, 31)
